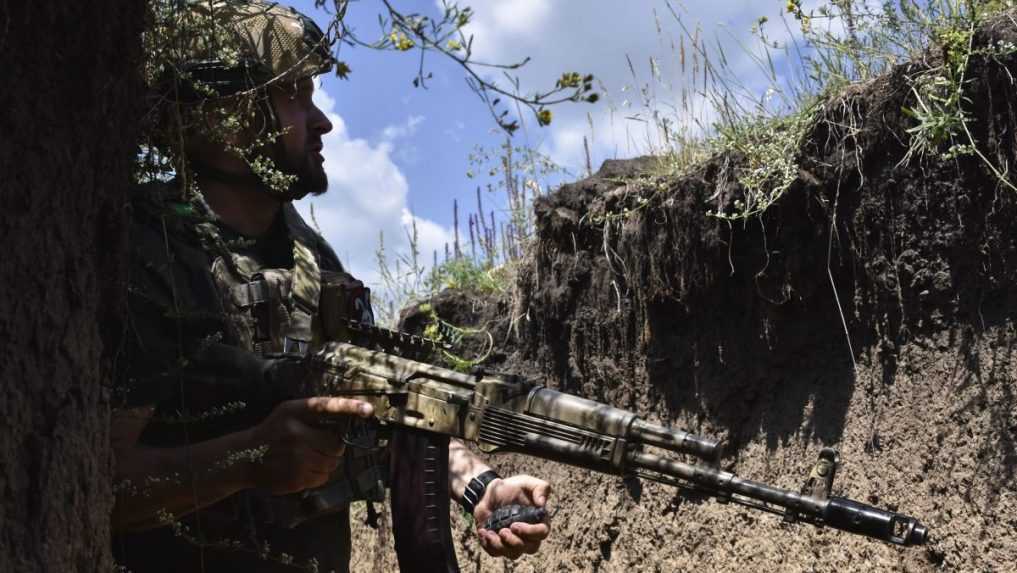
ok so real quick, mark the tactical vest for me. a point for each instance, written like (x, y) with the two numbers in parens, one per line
(273, 311)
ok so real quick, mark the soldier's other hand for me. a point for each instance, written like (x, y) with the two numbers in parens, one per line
(520, 538)
(298, 456)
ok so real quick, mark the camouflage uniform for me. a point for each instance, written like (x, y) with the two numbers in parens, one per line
(179, 310)
(204, 302)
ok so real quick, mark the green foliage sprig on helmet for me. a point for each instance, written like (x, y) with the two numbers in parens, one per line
(254, 43)
(210, 64)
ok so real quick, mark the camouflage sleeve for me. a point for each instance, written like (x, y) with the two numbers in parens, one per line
(170, 316)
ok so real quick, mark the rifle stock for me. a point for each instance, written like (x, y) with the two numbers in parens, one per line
(505, 413)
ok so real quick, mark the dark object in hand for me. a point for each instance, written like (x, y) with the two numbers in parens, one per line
(505, 516)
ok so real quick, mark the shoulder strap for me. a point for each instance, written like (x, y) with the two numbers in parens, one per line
(300, 230)
(304, 295)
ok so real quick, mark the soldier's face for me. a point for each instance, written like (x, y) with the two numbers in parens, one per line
(300, 145)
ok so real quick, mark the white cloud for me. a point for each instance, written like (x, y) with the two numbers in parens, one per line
(601, 37)
(501, 22)
(403, 130)
(367, 195)
(455, 132)
(368, 189)
(397, 136)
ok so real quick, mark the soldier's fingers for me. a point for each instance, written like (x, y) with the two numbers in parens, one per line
(513, 545)
(317, 462)
(541, 491)
(313, 479)
(535, 491)
(310, 470)
(327, 405)
(480, 515)
(491, 543)
(531, 531)
(324, 442)
(294, 433)
(531, 547)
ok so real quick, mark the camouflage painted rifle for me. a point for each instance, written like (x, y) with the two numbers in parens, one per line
(505, 413)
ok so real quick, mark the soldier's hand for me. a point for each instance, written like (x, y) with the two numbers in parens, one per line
(520, 538)
(299, 456)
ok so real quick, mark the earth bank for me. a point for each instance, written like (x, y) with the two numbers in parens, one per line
(871, 309)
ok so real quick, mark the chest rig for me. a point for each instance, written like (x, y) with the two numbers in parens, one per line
(279, 311)
(271, 310)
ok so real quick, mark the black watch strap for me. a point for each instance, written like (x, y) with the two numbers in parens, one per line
(475, 490)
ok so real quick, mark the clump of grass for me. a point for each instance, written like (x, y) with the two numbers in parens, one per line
(403, 277)
(804, 58)
(941, 121)
(770, 150)
(483, 257)
(465, 273)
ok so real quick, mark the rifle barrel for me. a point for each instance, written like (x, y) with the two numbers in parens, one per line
(675, 440)
(837, 512)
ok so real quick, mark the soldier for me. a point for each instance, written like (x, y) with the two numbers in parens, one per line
(219, 463)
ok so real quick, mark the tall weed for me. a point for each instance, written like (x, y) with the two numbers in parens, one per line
(483, 257)
(816, 49)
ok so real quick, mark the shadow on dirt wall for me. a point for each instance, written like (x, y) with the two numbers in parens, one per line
(759, 325)
(923, 265)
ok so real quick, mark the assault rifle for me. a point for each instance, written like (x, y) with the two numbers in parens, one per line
(505, 413)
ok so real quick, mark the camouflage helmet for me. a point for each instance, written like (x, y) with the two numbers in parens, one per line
(245, 44)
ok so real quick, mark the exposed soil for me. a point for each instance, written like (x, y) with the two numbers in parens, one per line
(872, 310)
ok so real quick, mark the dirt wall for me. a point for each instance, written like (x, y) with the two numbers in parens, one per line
(872, 309)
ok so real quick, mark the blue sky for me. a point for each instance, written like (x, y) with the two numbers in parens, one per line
(397, 150)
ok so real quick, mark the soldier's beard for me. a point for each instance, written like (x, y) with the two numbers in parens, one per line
(311, 177)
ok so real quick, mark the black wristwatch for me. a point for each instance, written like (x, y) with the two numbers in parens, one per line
(475, 490)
